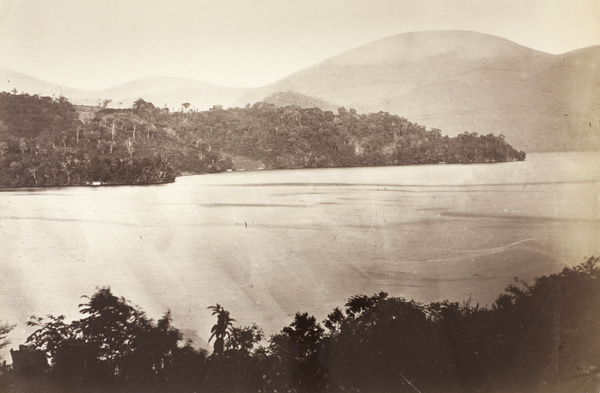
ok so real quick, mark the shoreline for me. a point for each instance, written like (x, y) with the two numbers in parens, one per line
(188, 174)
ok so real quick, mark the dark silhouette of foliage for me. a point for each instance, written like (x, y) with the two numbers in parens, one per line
(245, 340)
(28, 361)
(241, 367)
(536, 337)
(295, 355)
(4, 331)
(114, 343)
(221, 330)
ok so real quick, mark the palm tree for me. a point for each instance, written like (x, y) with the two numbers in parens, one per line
(221, 329)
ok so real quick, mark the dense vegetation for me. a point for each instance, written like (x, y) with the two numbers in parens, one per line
(540, 337)
(49, 142)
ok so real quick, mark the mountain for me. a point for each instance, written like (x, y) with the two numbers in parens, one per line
(464, 81)
(158, 90)
(456, 81)
(11, 80)
(173, 92)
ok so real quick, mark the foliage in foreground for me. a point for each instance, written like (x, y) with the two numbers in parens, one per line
(539, 337)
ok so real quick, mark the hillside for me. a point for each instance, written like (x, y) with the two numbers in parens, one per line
(50, 142)
(161, 91)
(464, 81)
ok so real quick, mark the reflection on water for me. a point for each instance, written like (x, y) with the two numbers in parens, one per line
(268, 244)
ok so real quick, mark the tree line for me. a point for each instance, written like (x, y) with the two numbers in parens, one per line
(49, 142)
(294, 137)
(535, 337)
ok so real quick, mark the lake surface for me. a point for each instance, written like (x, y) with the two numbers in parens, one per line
(268, 244)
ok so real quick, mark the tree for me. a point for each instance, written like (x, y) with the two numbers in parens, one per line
(33, 171)
(22, 145)
(114, 341)
(142, 107)
(221, 329)
(305, 333)
(55, 338)
(359, 304)
(113, 129)
(129, 145)
(4, 331)
(296, 353)
(334, 322)
(244, 340)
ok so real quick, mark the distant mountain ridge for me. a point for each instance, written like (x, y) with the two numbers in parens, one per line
(456, 81)
(172, 92)
(22, 83)
(169, 91)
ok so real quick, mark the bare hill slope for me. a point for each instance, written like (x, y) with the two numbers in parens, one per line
(173, 92)
(158, 90)
(22, 83)
(464, 81)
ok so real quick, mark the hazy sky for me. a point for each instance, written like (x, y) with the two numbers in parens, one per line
(95, 44)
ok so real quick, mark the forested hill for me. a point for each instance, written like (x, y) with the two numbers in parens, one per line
(49, 142)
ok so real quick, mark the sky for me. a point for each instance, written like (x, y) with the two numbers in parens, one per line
(97, 44)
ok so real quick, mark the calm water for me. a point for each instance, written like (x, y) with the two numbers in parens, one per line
(268, 244)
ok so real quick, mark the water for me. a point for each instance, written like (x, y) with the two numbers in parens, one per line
(268, 244)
